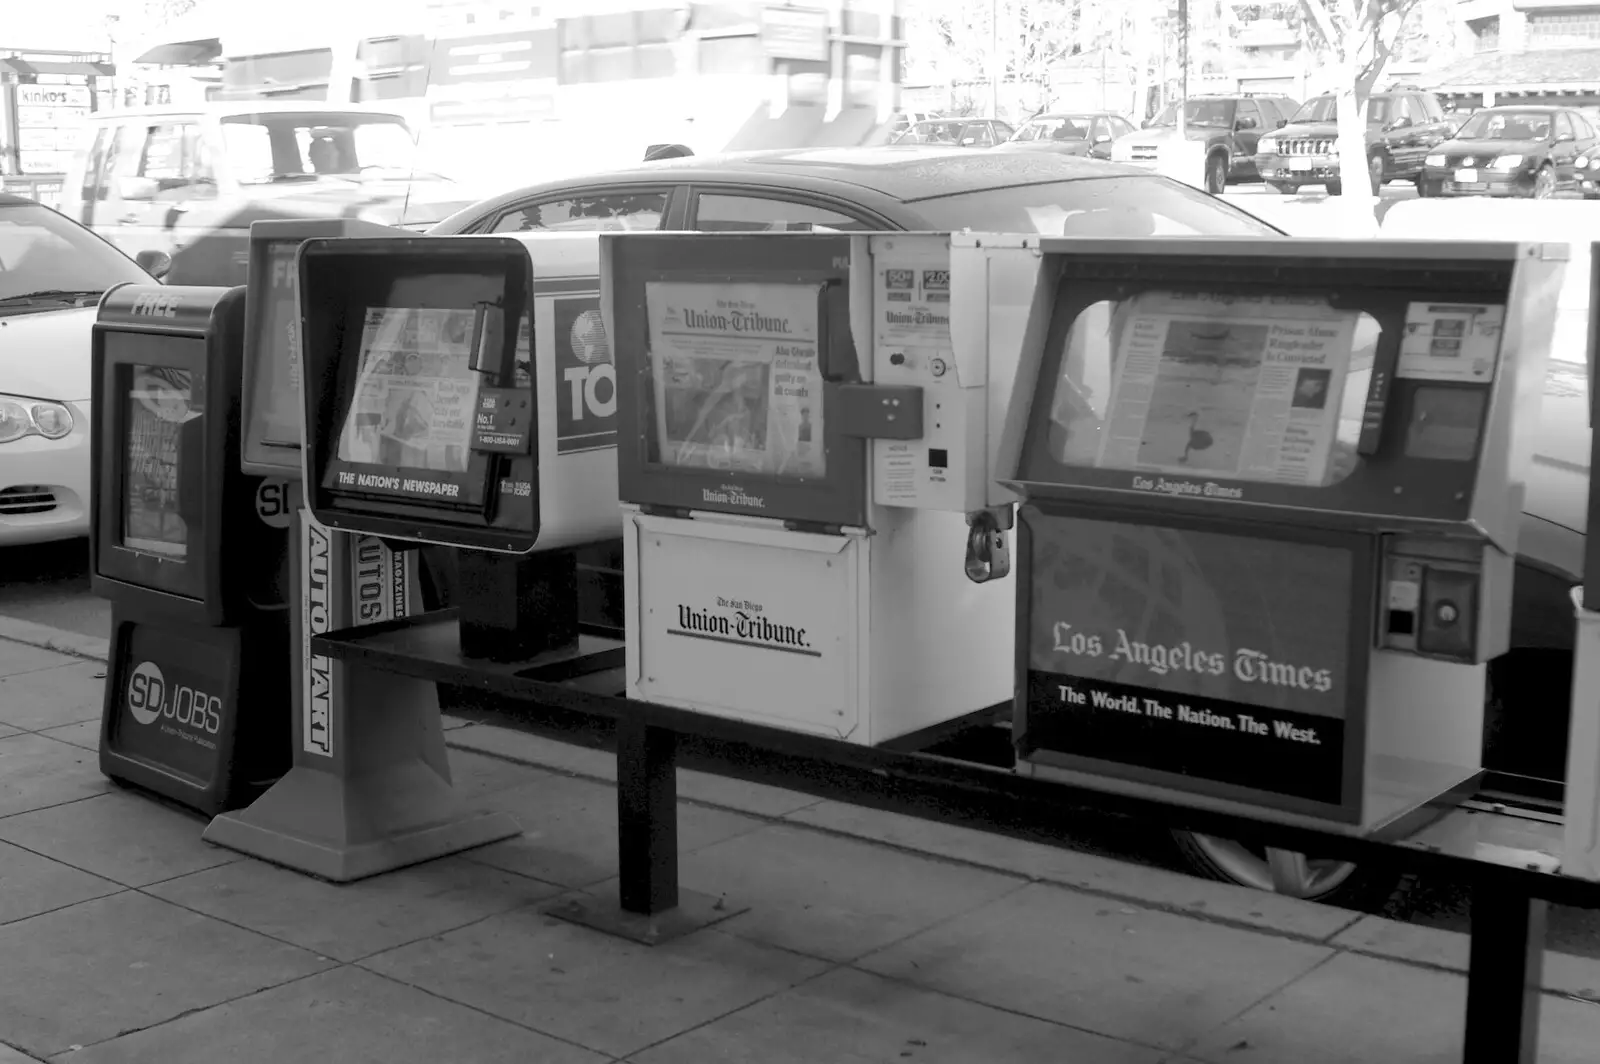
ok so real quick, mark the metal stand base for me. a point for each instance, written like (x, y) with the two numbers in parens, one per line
(1505, 976)
(693, 912)
(381, 798)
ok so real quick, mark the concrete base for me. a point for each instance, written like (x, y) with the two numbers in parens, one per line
(693, 912)
(380, 798)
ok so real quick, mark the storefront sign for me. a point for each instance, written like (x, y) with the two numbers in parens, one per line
(1218, 657)
(795, 33)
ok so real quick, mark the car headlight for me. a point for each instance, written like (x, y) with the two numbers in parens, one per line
(1433, 160)
(1266, 146)
(1581, 161)
(1507, 162)
(21, 417)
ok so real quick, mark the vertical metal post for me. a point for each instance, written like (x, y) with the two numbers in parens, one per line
(994, 58)
(1183, 72)
(1504, 977)
(647, 817)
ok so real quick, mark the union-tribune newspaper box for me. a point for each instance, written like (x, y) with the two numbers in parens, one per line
(191, 552)
(802, 454)
(1271, 500)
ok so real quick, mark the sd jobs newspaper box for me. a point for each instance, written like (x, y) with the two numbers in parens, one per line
(1272, 496)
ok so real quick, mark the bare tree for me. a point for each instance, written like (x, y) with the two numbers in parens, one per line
(1358, 38)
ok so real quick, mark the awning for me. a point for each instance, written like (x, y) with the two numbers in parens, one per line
(183, 53)
(1542, 70)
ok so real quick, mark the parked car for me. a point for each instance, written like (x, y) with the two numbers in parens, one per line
(1516, 151)
(1087, 133)
(1403, 127)
(52, 273)
(190, 182)
(1227, 125)
(901, 121)
(960, 132)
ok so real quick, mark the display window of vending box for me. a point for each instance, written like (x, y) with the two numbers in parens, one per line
(1271, 501)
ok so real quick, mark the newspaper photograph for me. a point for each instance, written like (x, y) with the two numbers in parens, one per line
(163, 435)
(738, 384)
(1242, 387)
(415, 391)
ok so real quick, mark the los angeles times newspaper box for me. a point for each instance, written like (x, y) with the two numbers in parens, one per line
(1271, 496)
(803, 455)
(430, 412)
(191, 552)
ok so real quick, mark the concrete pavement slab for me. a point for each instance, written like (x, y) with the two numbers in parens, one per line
(60, 640)
(1151, 886)
(18, 658)
(599, 991)
(477, 776)
(536, 750)
(353, 920)
(747, 797)
(47, 698)
(85, 734)
(125, 837)
(31, 884)
(37, 771)
(1131, 973)
(15, 1056)
(851, 1016)
(1420, 944)
(346, 1016)
(6, 729)
(832, 897)
(570, 829)
(1356, 1010)
(101, 968)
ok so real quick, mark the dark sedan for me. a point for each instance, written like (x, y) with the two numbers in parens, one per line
(1087, 133)
(1516, 151)
(897, 187)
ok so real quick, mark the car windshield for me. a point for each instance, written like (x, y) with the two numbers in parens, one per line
(1142, 205)
(1326, 109)
(46, 255)
(303, 146)
(1055, 127)
(1506, 125)
(1198, 113)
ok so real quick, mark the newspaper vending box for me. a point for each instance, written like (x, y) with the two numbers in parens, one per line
(191, 552)
(430, 407)
(1271, 500)
(803, 462)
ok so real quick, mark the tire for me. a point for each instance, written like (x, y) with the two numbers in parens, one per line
(1423, 191)
(1334, 187)
(1375, 168)
(1283, 188)
(1544, 182)
(1216, 174)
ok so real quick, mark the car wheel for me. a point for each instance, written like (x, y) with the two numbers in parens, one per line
(1217, 174)
(1423, 188)
(1375, 171)
(1544, 183)
(1283, 187)
(1335, 188)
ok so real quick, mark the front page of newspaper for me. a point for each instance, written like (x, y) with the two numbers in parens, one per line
(415, 391)
(738, 385)
(1246, 387)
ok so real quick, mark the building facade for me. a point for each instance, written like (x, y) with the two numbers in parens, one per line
(1529, 51)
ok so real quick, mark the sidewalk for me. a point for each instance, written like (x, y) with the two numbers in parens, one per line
(870, 936)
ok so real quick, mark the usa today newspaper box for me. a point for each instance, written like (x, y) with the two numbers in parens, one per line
(1271, 501)
(191, 553)
(803, 460)
(431, 417)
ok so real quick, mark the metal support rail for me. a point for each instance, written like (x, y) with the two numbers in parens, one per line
(1509, 900)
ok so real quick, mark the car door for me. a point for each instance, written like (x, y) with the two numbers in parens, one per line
(90, 187)
(1564, 149)
(1247, 127)
(111, 216)
(169, 174)
(1100, 137)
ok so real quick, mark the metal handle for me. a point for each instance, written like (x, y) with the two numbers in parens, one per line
(988, 554)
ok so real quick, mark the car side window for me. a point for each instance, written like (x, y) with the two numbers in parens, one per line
(608, 211)
(1581, 127)
(1003, 132)
(979, 134)
(723, 213)
(1269, 114)
(1247, 109)
(1122, 127)
(1563, 127)
(122, 159)
(1101, 128)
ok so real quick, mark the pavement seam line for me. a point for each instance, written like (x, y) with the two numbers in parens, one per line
(197, 1009)
(482, 1011)
(1333, 952)
(57, 640)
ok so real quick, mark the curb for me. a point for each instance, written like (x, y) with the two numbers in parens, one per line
(44, 637)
